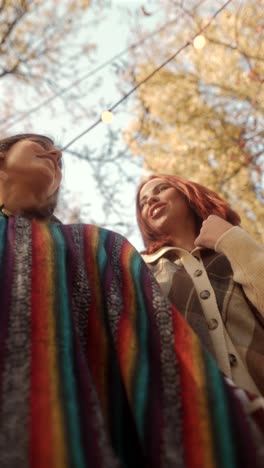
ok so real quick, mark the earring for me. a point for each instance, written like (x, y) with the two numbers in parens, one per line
(5, 211)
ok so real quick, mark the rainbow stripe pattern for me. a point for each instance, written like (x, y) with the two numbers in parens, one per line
(97, 369)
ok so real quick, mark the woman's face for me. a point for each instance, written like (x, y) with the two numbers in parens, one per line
(34, 166)
(163, 207)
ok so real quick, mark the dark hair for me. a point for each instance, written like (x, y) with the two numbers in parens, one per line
(8, 142)
(202, 200)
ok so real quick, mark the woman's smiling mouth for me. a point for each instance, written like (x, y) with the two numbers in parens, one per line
(155, 211)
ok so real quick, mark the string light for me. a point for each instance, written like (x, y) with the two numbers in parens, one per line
(199, 42)
(88, 75)
(148, 77)
(106, 117)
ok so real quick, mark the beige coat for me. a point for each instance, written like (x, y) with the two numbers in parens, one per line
(221, 295)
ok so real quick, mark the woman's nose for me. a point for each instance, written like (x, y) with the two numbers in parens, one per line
(152, 199)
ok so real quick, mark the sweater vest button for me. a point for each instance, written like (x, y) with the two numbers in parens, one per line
(212, 324)
(232, 360)
(205, 294)
(198, 273)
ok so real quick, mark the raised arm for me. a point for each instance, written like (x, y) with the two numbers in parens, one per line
(245, 255)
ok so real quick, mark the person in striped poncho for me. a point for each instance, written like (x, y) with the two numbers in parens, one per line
(97, 369)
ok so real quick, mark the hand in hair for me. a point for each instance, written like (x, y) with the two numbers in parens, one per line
(212, 229)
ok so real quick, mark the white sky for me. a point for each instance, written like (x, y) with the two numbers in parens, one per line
(110, 36)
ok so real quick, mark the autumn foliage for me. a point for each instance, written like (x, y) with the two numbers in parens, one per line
(202, 116)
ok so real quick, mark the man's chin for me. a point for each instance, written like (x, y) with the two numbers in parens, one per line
(42, 212)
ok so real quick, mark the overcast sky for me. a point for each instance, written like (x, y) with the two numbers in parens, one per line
(110, 36)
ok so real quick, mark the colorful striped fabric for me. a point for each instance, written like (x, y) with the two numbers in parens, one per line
(98, 370)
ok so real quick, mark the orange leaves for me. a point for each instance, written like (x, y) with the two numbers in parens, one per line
(204, 112)
(254, 76)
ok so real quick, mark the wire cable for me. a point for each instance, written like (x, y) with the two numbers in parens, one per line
(88, 75)
(148, 77)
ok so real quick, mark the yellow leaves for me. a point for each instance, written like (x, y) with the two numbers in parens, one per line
(84, 4)
(80, 5)
(32, 41)
(197, 117)
(18, 4)
(254, 76)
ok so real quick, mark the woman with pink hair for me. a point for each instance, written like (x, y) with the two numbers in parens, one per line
(210, 269)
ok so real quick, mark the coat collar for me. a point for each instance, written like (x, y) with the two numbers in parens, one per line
(181, 252)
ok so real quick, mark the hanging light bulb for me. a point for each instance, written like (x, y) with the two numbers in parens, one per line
(199, 42)
(106, 117)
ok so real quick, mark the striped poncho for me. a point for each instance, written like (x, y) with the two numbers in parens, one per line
(97, 370)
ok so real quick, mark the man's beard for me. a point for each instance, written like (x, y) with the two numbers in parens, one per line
(43, 212)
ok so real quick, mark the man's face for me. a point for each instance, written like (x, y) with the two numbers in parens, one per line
(34, 166)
